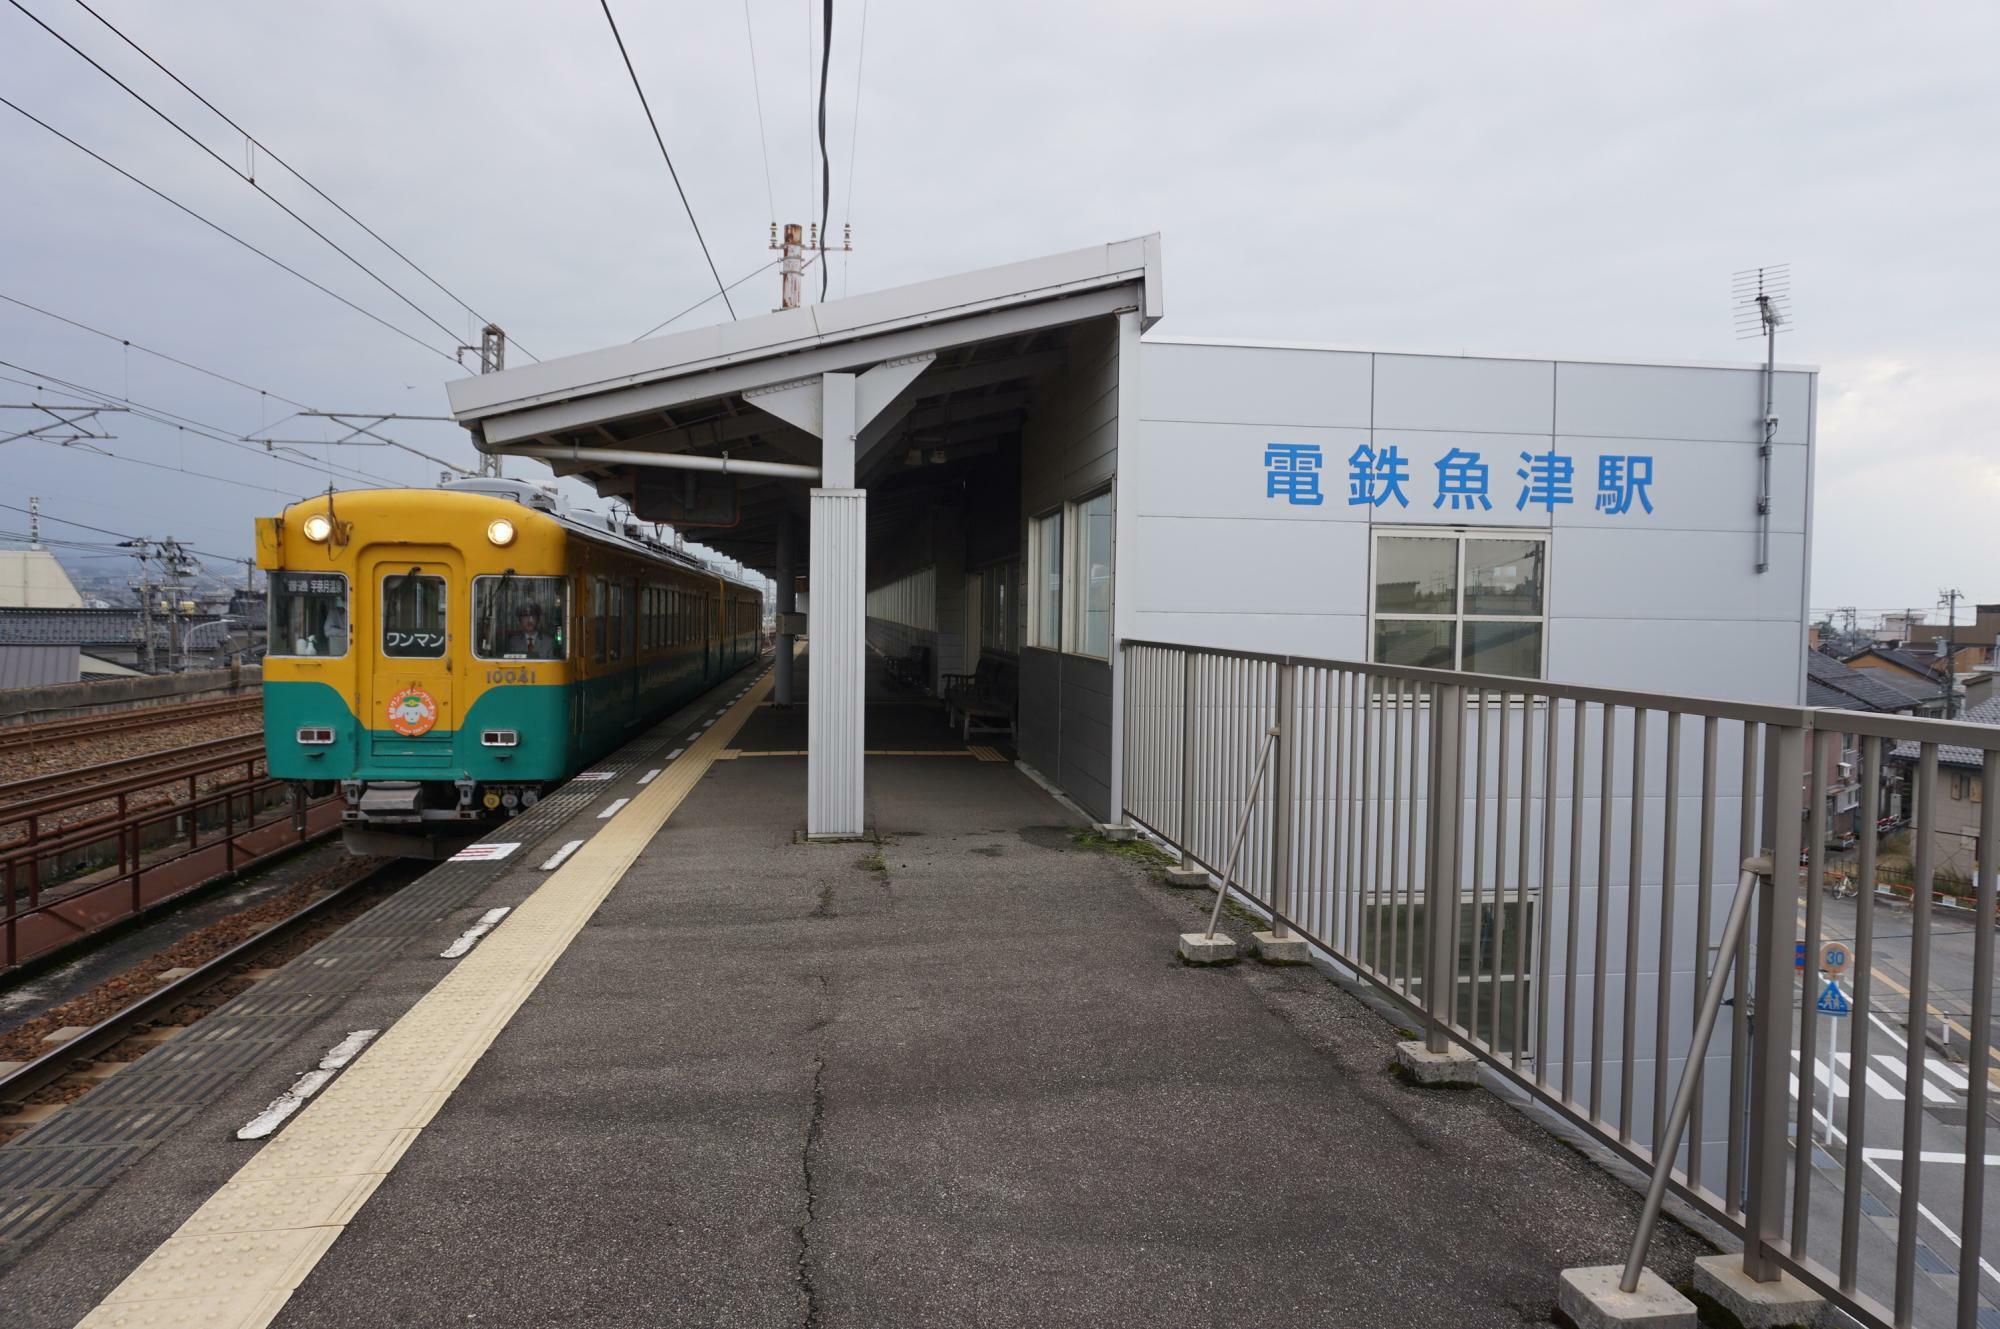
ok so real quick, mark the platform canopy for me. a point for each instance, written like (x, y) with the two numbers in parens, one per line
(716, 431)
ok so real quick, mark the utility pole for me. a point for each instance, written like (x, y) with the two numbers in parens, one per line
(1949, 599)
(798, 242)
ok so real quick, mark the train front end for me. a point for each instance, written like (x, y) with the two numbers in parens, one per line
(418, 660)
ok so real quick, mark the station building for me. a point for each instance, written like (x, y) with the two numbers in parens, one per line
(1010, 474)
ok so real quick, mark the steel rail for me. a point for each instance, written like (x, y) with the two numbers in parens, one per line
(230, 747)
(14, 737)
(55, 1064)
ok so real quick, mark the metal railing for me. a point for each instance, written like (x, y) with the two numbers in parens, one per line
(1542, 874)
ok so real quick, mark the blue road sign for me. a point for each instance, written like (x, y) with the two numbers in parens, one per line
(1798, 955)
(1832, 1001)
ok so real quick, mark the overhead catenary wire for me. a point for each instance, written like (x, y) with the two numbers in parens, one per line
(223, 231)
(706, 298)
(85, 526)
(854, 136)
(147, 350)
(226, 165)
(259, 145)
(757, 91)
(161, 416)
(825, 166)
(666, 156)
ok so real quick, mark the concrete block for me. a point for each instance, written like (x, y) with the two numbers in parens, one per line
(178, 972)
(1453, 1066)
(1273, 949)
(64, 1034)
(1181, 874)
(1755, 1305)
(1590, 1299)
(1199, 948)
(1115, 834)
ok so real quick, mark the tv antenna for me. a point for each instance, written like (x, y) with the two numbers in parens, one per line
(1762, 299)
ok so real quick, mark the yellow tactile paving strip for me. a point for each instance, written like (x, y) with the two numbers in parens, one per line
(237, 1260)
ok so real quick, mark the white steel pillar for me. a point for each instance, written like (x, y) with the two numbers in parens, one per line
(787, 604)
(836, 684)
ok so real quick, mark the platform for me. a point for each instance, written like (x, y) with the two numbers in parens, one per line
(711, 1073)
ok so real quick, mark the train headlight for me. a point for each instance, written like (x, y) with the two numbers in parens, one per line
(500, 531)
(318, 527)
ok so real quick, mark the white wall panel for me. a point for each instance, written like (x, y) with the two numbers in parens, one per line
(1744, 660)
(1216, 470)
(1224, 566)
(1320, 636)
(1624, 572)
(1464, 393)
(1696, 486)
(1256, 385)
(1670, 401)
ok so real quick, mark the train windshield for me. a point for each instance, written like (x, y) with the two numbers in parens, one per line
(308, 613)
(520, 618)
(413, 616)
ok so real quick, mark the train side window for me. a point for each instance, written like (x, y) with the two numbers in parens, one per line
(308, 614)
(600, 605)
(520, 618)
(615, 629)
(413, 616)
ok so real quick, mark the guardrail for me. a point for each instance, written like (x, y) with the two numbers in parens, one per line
(1541, 874)
(61, 884)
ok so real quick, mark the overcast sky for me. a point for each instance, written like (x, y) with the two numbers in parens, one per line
(1545, 179)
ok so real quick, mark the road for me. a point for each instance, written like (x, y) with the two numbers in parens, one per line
(1887, 1104)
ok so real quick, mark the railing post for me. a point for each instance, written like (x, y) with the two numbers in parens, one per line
(1282, 751)
(1771, 1035)
(1443, 810)
(1185, 831)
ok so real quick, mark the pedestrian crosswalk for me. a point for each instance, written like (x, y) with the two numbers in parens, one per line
(1886, 1077)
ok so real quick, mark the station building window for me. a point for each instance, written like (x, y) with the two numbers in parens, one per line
(1045, 581)
(1090, 583)
(1466, 600)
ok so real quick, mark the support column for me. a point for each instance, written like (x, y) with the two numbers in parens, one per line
(787, 605)
(836, 683)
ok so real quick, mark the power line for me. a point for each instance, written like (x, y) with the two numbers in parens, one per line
(84, 526)
(27, 115)
(293, 171)
(200, 428)
(147, 350)
(757, 89)
(668, 157)
(854, 139)
(227, 166)
(825, 167)
(706, 298)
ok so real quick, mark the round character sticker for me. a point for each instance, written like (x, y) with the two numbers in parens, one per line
(412, 712)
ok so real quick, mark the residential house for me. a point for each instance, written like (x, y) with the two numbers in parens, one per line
(1961, 794)
(1835, 685)
(1917, 675)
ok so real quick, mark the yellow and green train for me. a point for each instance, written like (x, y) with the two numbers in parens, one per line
(445, 655)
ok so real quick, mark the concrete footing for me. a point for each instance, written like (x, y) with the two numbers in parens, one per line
(1273, 949)
(1182, 874)
(1452, 1067)
(1198, 948)
(1591, 1299)
(1115, 834)
(1756, 1305)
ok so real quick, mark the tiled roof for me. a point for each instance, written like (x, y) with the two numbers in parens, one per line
(1914, 661)
(1829, 682)
(1950, 754)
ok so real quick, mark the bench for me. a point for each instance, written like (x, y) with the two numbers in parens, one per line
(983, 701)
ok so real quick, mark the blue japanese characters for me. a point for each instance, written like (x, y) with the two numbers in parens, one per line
(1377, 477)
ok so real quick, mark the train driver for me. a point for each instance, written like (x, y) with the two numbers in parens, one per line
(528, 641)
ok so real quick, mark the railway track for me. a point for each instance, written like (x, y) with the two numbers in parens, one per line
(77, 1056)
(105, 779)
(16, 738)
